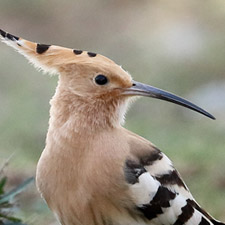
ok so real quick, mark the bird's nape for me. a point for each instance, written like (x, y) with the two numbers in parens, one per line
(153, 92)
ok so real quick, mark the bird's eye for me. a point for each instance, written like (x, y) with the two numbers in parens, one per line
(101, 79)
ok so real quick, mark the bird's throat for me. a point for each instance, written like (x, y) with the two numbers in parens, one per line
(71, 114)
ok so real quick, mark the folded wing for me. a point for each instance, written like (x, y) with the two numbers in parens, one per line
(160, 195)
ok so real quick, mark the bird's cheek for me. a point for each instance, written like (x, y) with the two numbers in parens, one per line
(116, 92)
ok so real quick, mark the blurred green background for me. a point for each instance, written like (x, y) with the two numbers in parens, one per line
(176, 45)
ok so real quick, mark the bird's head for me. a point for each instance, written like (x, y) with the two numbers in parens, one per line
(89, 82)
(95, 77)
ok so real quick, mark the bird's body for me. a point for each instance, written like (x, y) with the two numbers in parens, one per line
(96, 195)
(92, 170)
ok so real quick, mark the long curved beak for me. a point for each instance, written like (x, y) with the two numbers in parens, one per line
(149, 91)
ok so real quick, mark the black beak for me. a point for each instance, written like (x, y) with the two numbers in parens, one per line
(149, 91)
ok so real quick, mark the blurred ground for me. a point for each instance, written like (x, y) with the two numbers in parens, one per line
(178, 46)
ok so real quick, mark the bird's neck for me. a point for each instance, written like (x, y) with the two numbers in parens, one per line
(71, 114)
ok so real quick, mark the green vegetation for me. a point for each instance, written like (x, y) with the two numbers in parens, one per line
(7, 201)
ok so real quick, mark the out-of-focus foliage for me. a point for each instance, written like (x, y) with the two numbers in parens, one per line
(176, 45)
(7, 200)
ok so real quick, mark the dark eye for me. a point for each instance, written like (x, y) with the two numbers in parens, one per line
(101, 79)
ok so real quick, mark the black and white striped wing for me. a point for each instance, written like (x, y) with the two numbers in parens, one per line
(160, 195)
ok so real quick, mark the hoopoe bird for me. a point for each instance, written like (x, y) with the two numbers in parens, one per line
(92, 170)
